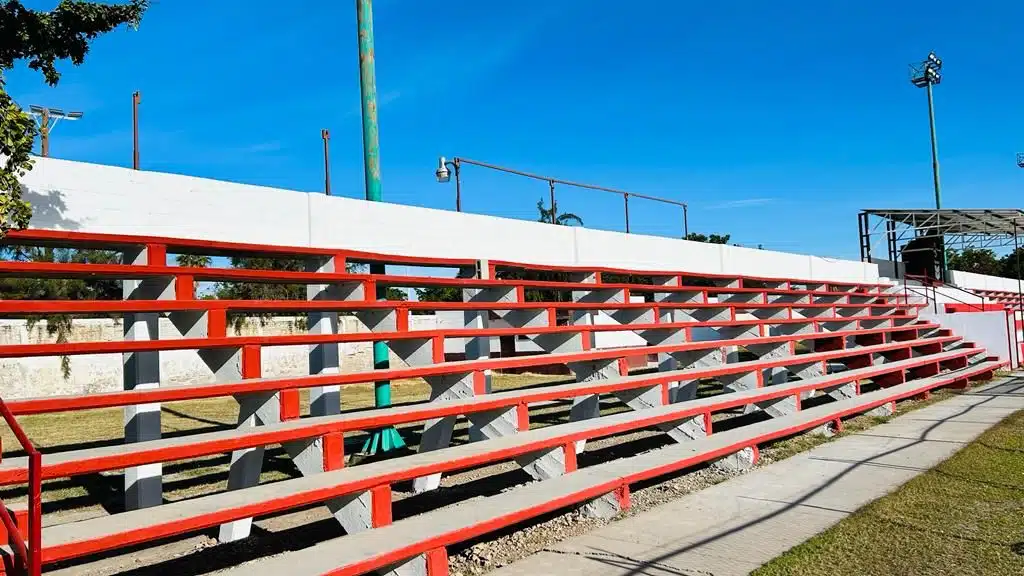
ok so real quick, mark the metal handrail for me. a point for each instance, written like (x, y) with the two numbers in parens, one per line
(933, 283)
(32, 554)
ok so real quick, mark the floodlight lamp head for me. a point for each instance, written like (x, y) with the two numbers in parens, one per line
(442, 173)
(74, 115)
(1020, 159)
(35, 109)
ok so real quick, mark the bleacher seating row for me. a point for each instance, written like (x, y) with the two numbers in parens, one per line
(777, 346)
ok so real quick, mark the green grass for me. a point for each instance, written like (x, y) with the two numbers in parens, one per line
(965, 516)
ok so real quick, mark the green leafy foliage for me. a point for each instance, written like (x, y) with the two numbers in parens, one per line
(17, 131)
(985, 261)
(978, 261)
(43, 38)
(439, 294)
(710, 239)
(1012, 265)
(193, 260)
(561, 218)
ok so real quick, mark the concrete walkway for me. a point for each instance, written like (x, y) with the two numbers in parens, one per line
(738, 525)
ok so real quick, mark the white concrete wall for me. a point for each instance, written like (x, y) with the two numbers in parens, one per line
(88, 197)
(987, 329)
(93, 198)
(974, 281)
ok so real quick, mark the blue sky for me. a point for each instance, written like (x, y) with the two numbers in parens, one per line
(776, 121)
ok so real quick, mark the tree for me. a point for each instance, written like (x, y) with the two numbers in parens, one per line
(194, 261)
(1008, 265)
(561, 219)
(439, 294)
(712, 239)
(270, 291)
(976, 260)
(43, 38)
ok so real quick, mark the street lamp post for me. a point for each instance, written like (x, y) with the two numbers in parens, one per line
(443, 176)
(388, 438)
(47, 119)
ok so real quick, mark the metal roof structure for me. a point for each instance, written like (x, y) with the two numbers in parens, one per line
(961, 228)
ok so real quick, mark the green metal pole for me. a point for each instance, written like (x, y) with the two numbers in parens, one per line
(935, 173)
(935, 149)
(388, 438)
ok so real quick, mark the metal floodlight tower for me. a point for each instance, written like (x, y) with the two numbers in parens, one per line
(1020, 159)
(925, 74)
(47, 119)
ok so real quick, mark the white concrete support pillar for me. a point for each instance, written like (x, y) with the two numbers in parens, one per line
(588, 317)
(498, 423)
(143, 485)
(667, 362)
(639, 399)
(257, 409)
(437, 433)
(355, 512)
(324, 358)
(693, 359)
(738, 382)
(589, 406)
(478, 347)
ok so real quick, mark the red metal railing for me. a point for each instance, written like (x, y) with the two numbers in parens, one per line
(30, 555)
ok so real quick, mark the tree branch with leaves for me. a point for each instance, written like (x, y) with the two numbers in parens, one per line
(43, 38)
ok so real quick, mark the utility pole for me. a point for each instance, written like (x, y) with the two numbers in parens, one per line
(326, 136)
(136, 100)
(47, 119)
(44, 133)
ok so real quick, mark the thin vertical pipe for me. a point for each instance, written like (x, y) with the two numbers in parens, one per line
(625, 202)
(1020, 305)
(686, 221)
(35, 513)
(551, 186)
(136, 100)
(326, 136)
(458, 184)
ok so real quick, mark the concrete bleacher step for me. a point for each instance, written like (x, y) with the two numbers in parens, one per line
(393, 544)
(112, 457)
(109, 532)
